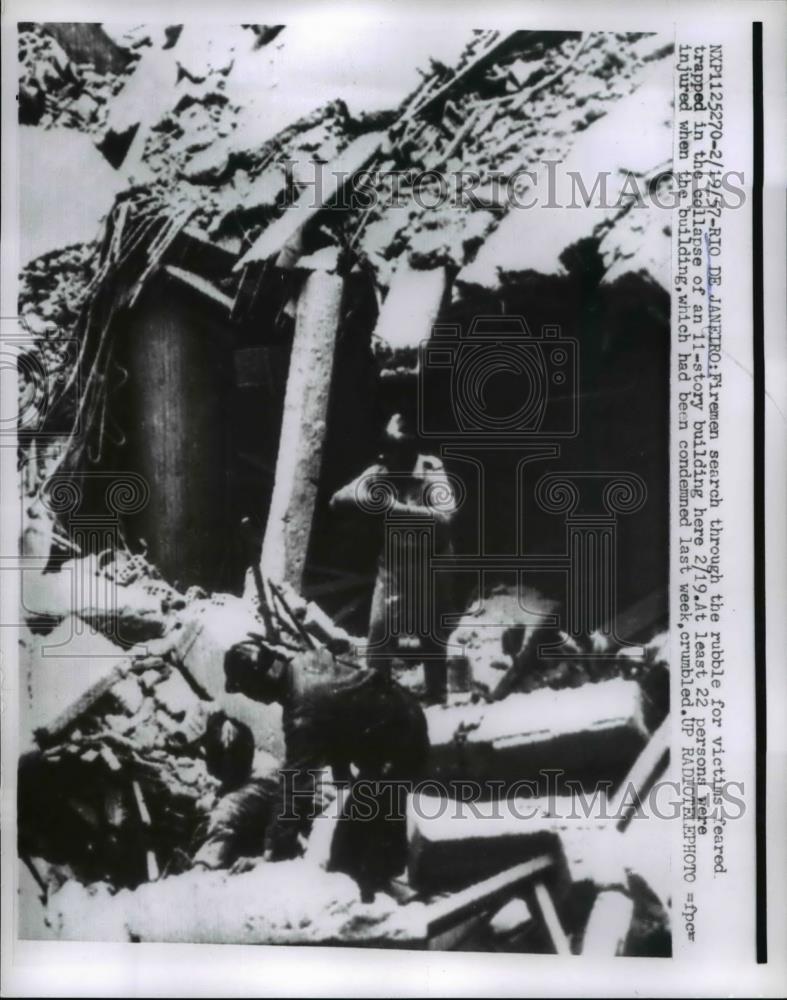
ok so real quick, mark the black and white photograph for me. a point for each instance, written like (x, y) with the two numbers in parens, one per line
(371, 512)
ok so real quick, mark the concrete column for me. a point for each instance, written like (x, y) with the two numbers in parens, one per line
(303, 429)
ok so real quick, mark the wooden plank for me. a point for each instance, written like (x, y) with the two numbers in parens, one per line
(552, 923)
(142, 807)
(200, 285)
(451, 911)
(449, 847)
(642, 776)
(151, 865)
(487, 50)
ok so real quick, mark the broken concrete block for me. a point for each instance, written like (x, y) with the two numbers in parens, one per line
(592, 733)
(62, 674)
(452, 843)
(129, 613)
(326, 259)
(449, 238)
(408, 314)
(482, 631)
(129, 695)
(175, 696)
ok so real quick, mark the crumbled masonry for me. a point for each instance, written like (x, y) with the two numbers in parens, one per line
(122, 659)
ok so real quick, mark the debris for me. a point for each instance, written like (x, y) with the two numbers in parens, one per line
(269, 905)
(646, 770)
(67, 188)
(482, 630)
(152, 867)
(201, 285)
(512, 248)
(142, 808)
(62, 687)
(299, 627)
(593, 733)
(124, 736)
(335, 176)
(110, 759)
(451, 843)
(175, 696)
(549, 914)
(207, 632)
(128, 694)
(449, 919)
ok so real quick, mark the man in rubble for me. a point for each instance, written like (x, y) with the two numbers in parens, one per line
(357, 721)
(415, 491)
(234, 832)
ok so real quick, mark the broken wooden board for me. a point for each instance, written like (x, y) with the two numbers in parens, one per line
(450, 918)
(332, 178)
(551, 920)
(592, 734)
(643, 775)
(201, 285)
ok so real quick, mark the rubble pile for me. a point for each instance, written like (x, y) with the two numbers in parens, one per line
(135, 747)
(529, 106)
(185, 123)
(118, 668)
(117, 763)
(56, 90)
(504, 658)
(123, 671)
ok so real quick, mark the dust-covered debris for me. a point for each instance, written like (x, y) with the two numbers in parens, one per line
(124, 673)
